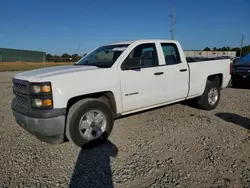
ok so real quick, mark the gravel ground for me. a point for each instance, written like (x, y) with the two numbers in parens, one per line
(173, 146)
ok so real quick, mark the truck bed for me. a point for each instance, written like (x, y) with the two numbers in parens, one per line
(199, 59)
(200, 70)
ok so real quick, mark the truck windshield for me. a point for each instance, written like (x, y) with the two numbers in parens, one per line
(104, 56)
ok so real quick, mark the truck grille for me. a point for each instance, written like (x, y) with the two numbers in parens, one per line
(22, 101)
(245, 70)
(20, 86)
(21, 92)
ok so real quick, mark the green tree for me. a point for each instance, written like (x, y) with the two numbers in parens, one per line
(214, 49)
(207, 49)
(245, 50)
(224, 48)
(49, 57)
(228, 48)
(65, 57)
(75, 57)
(57, 58)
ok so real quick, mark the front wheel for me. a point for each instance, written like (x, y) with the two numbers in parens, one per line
(211, 96)
(89, 122)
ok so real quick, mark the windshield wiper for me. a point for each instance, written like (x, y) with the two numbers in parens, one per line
(95, 65)
(85, 64)
(102, 66)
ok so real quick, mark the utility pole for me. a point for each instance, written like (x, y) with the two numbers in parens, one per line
(172, 17)
(242, 39)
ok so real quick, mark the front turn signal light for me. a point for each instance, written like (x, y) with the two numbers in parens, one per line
(47, 102)
(45, 89)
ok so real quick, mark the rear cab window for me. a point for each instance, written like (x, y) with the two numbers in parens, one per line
(171, 53)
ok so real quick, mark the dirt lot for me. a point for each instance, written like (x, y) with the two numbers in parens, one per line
(21, 66)
(174, 146)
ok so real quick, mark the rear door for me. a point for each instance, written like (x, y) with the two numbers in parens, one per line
(142, 87)
(176, 72)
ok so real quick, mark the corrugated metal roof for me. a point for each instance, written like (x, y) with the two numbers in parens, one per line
(13, 49)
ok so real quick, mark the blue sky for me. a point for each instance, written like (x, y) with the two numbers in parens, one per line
(58, 26)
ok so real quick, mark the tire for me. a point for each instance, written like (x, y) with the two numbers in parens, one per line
(77, 112)
(203, 100)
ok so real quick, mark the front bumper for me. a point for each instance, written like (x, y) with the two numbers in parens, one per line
(240, 78)
(48, 126)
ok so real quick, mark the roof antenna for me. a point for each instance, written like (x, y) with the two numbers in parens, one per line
(79, 44)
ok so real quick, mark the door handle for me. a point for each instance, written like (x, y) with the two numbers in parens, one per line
(158, 73)
(183, 70)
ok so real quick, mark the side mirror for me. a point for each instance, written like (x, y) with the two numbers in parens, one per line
(132, 64)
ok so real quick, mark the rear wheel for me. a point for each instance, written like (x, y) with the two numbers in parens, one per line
(89, 122)
(211, 96)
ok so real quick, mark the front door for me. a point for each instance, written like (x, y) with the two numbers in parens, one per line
(142, 86)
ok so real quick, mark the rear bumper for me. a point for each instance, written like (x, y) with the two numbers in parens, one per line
(47, 126)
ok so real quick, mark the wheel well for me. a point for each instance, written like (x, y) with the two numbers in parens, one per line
(216, 78)
(106, 96)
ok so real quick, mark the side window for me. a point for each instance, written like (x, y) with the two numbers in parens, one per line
(142, 56)
(171, 53)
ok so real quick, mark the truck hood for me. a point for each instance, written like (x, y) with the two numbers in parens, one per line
(37, 75)
(243, 62)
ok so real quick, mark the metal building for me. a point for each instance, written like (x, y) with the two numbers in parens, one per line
(209, 54)
(14, 55)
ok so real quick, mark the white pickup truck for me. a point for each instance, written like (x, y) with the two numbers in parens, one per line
(80, 102)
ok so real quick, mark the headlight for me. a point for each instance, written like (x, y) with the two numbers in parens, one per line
(35, 89)
(41, 95)
(38, 89)
(38, 103)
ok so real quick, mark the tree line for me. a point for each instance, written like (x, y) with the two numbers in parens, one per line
(75, 57)
(245, 49)
(63, 58)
